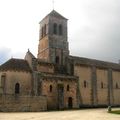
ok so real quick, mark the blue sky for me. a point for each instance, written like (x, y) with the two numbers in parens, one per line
(93, 27)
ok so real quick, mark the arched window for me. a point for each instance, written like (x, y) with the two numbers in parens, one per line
(40, 33)
(55, 28)
(57, 60)
(44, 29)
(101, 84)
(3, 79)
(116, 85)
(60, 30)
(17, 88)
(85, 84)
(68, 87)
(50, 88)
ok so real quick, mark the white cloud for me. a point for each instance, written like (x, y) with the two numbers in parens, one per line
(94, 27)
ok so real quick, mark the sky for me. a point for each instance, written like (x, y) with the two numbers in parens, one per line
(93, 27)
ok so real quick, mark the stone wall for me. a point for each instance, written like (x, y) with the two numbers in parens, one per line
(43, 49)
(52, 96)
(12, 103)
(84, 74)
(48, 68)
(116, 87)
(13, 77)
(102, 86)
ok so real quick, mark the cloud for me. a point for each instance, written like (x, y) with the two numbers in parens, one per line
(5, 54)
(93, 30)
(98, 34)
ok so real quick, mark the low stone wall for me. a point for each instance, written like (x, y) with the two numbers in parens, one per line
(14, 103)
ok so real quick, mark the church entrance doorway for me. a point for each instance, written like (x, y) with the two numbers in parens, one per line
(70, 102)
(57, 60)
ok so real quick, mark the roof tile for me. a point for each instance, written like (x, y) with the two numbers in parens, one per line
(15, 64)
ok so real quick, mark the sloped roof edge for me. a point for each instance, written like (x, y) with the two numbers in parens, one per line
(94, 62)
(55, 14)
(15, 65)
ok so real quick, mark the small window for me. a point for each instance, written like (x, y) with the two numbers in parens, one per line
(55, 28)
(50, 88)
(17, 88)
(116, 85)
(85, 84)
(60, 30)
(68, 87)
(3, 79)
(102, 85)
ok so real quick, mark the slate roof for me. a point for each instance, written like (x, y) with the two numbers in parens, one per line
(54, 13)
(94, 62)
(15, 65)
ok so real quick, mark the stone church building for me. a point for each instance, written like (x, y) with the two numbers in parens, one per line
(56, 80)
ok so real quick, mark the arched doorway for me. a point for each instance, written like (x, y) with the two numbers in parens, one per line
(70, 102)
(17, 88)
(57, 59)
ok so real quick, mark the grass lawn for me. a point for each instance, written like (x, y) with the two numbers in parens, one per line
(115, 112)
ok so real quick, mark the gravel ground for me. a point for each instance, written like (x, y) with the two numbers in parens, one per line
(86, 114)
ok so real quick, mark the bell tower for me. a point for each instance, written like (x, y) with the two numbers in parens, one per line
(53, 44)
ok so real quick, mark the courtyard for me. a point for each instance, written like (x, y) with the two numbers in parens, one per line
(83, 114)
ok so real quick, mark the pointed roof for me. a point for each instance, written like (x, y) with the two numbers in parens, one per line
(29, 53)
(15, 65)
(54, 13)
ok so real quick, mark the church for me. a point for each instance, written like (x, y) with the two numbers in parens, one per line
(55, 80)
